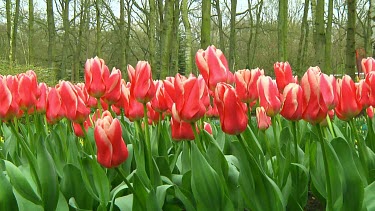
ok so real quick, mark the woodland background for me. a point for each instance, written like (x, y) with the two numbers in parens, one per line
(55, 37)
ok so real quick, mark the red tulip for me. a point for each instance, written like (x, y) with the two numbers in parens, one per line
(233, 118)
(153, 116)
(180, 130)
(142, 85)
(27, 90)
(111, 147)
(208, 127)
(78, 129)
(314, 109)
(263, 120)
(348, 106)
(284, 75)
(96, 76)
(370, 89)
(246, 84)
(213, 66)
(113, 87)
(370, 112)
(268, 95)
(54, 111)
(363, 93)
(41, 104)
(133, 108)
(212, 111)
(162, 100)
(368, 65)
(5, 99)
(190, 101)
(14, 108)
(292, 102)
(327, 85)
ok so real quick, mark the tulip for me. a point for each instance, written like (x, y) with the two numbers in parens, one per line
(368, 65)
(5, 99)
(162, 100)
(213, 66)
(263, 120)
(284, 75)
(153, 116)
(142, 85)
(207, 127)
(327, 85)
(370, 89)
(314, 110)
(292, 102)
(370, 112)
(363, 93)
(180, 130)
(96, 76)
(78, 129)
(212, 111)
(133, 109)
(14, 108)
(190, 103)
(233, 118)
(268, 95)
(348, 106)
(246, 84)
(111, 147)
(54, 112)
(113, 87)
(27, 90)
(41, 104)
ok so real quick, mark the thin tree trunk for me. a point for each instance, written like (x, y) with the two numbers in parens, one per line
(232, 36)
(9, 29)
(127, 31)
(14, 32)
(328, 40)
(257, 27)
(65, 49)
(206, 24)
(185, 19)
(220, 26)
(350, 39)
(98, 27)
(31, 32)
(151, 34)
(122, 37)
(372, 17)
(175, 40)
(282, 29)
(320, 33)
(303, 36)
(249, 41)
(51, 35)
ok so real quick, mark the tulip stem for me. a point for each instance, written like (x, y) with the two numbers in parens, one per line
(175, 156)
(330, 126)
(268, 145)
(87, 140)
(148, 143)
(326, 169)
(197, 138)
(362, 148)
(99, 106)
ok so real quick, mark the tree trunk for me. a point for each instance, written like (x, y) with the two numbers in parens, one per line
(206, 24)
(98, 28)
(328, 40)
(257, 27)
(51, 35)
(121, 37)
(175, 40)
(282, 29)
(185, 19)
(249, 51)
(31, 32)
(165, 38)
(232, 36)
(220, 26)
(350, 39)
(65, 48)
(303, 36)
(14, 32)
(151, 32)
(9, 29)
(320, 34)
(372, 17)
(127, 31)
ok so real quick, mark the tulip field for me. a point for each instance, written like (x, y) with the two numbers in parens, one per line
(218, 140)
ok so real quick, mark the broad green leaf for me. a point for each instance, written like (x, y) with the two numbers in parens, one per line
(101, 182)
(369, 197)
(187, 202)
(71, 186)
(161, 192)
(47, 177)
(205, 183)
(7, 198)
(62, 205)
(26, 204)
(353, 188)
(141, 195)
(73, 203)
(125, 202)
(20, 183)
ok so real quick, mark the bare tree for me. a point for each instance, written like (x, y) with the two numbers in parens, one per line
(350, 39)
(206, 24)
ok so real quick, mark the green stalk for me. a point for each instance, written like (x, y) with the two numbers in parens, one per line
(330, 126)
(326, 169)
(296, 140)
(197, 137)
(362, 149)
(148, 143)
(175, 156)
(99, 106)
(91, 149)
(268, 145)
(278, 151)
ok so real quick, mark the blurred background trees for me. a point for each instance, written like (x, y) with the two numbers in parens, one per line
(59, 35)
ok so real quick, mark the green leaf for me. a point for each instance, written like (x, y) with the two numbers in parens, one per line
(353, 188)
(20, 183)
(369, 197)
(205, 183)
(71, 186)
(101, 182)
(125, 202)
(48, 178)
(7, 198)
(62, 205)
(25, 204)
(187, 202)
(161, 191)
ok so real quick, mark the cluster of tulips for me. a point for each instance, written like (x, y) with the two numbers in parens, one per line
(187, 105)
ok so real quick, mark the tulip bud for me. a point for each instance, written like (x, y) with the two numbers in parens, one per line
(348, 106)
(263, 120)
(246, 84)
(96, 75)
(292, 102)
(142, 85)
(368, 65)
(284, 75)
(111, 147)
(268, 95)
